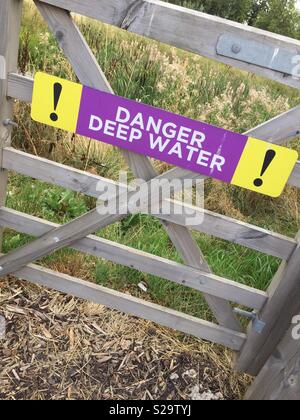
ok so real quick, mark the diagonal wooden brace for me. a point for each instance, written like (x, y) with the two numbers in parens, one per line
(89, 73)
(86, 224)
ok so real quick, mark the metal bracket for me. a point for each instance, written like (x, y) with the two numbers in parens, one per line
(257, 323)
(253, 52)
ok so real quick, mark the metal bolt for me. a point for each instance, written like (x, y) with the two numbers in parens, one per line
(245, 314)
(236, 48)
(258, 324)
(292, 380)
(56, 239)
(8, 122)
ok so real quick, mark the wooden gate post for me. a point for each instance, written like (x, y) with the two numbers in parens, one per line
(10, 20)
(280, 377)
(283, 304)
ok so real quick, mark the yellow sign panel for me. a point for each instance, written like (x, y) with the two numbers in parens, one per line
(56, 101)
(264, 168)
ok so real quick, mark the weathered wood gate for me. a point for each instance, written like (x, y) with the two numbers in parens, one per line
(250, 49)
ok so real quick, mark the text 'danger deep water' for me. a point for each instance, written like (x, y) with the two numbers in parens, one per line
(179, 141)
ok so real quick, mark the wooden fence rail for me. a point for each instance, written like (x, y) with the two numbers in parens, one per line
(131, 305)
(178, 273)
(213, 224)
(277, 130)
(183, 28)
(210, 37)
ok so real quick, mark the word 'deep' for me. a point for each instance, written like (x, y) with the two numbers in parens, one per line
(199, 147)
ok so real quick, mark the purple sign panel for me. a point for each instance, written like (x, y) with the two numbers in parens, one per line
(159, 134)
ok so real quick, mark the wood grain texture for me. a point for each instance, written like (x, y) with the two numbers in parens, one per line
(102, 216)
(57, 173)
(235, 231)
(211, 223)
(280, 377)
(282, 305)
(277, 130)
(89, 72)
(20, 87)
(279, 380)
(183, 28)
(10, 19)
(139, 260)
(295, 176)
(133, 306)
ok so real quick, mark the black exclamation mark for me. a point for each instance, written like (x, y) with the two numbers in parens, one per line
(57, 89)
(270, 155)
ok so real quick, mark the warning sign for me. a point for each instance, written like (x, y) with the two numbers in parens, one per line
(264, 167)
(56, 102)
(174, 139)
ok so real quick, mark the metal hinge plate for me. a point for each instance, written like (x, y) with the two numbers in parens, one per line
(258, 53)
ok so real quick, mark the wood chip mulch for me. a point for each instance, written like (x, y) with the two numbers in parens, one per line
(56, 347)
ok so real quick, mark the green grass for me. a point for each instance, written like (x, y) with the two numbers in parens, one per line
(138, 231)
(179, 82)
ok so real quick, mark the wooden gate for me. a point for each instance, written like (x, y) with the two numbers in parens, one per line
(212, 37)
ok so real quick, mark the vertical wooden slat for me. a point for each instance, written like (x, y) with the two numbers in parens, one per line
(10, 18)
(279, 379)
(89, 73)
(283, 304)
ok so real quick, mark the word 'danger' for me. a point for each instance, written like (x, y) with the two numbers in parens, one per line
(211, 151)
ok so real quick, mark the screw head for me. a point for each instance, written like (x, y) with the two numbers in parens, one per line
(59, 35)
(292, 380)
(236, 48)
